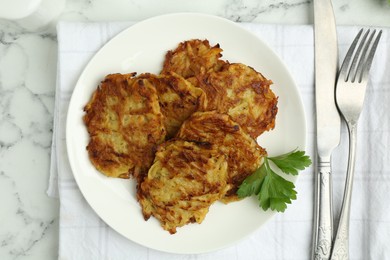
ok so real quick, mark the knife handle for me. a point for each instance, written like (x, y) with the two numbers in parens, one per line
(323, 217)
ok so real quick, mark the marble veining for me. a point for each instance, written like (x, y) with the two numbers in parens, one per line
(32, 229)
(28, 58)
(27, 80)
(240, 11)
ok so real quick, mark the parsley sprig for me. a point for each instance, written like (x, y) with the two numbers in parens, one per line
(272, 190)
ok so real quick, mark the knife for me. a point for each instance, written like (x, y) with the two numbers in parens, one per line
(328, 124)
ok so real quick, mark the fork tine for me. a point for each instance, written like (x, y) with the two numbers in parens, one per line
(346, 63)
(357, 58)
(370, 57)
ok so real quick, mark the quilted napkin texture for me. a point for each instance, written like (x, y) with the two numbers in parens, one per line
(83, 235)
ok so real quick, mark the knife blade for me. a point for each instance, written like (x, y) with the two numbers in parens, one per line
(327, 124)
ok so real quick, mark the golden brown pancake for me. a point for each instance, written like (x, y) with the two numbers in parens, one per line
(243, 154)
(193, 57)
(211, 108)
(125, 125)
(185, 179)
(178, 99)
(243, 93)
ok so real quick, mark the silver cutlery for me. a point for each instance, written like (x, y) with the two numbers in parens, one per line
(350, 91)
(328, 124)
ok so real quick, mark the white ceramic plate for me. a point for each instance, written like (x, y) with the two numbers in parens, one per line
(141, 48)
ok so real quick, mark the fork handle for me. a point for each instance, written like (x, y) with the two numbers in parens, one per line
(323, 217)
(341, 243)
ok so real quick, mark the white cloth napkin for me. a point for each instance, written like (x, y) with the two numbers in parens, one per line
(83, 235)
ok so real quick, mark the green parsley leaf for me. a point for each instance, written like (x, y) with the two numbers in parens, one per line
(291, 162)
(272, 190)
(251, 185)
(276, 192)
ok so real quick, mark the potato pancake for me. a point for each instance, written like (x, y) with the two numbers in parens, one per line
(187, 135)
(185, 179)
(125, 125)
(243, 154)
(178, 99)
(193, 57)
(244, 94)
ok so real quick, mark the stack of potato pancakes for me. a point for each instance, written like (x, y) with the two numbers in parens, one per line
(187, 135)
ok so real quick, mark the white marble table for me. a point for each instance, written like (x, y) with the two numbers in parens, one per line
(29, 219)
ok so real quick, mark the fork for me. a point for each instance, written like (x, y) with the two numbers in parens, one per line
(350, 91)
